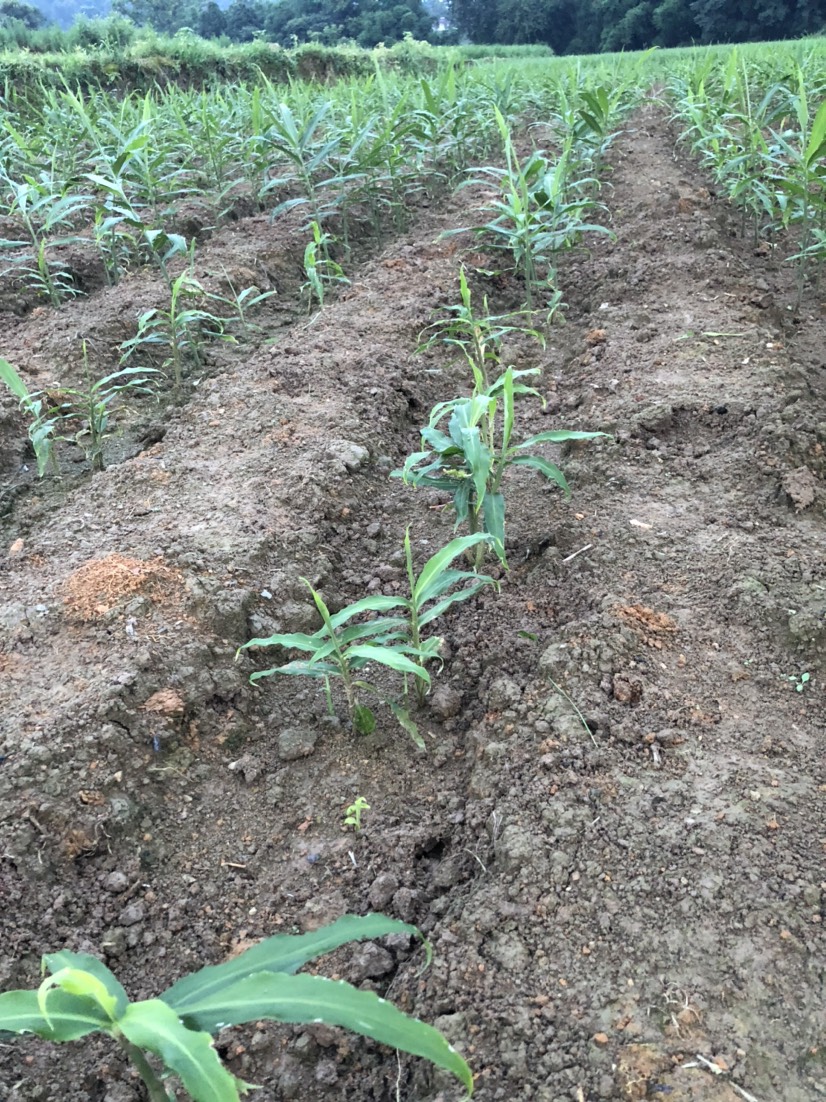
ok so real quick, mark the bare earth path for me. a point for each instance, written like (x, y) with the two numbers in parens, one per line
(633, 910)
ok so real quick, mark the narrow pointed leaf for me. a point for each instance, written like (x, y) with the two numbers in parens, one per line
(298, 669)
(281, 953)
(393, 659)
(84, 962)
(296, 640)
(550, 470)
(9, 376)
(480, 460)
(366, 604)
(435, 566)
(70, 1016)
(494, 514)
(455, 598)
(155, 1026)
(557, 436)
(304, 999)
(406, 723)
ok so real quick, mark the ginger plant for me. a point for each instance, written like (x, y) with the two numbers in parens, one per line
(170, 1037)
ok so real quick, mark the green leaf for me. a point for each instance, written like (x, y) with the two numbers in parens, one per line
(494, 514)
(816, 147)
(366, 604)
(76, 981)
(386, 656)
(480, 459)
(364, 719)
(454, 598)
(70, 1016)
(406, 723)
(281, 953)
(508, 407)
(9, 376)
(304, 999)
(155, 1026)
(436, 565)
(550, 470)
(84, 962)
(299, 669)
(296, 640)
(557, 436)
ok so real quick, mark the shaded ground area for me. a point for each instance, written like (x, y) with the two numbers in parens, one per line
(615, 838)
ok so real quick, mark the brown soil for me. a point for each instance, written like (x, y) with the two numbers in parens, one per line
(615, 840)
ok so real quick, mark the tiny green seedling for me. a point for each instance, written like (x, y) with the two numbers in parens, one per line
(81, 997)
(178, 330)
(353, 814)
(95, 405)
(800, 681)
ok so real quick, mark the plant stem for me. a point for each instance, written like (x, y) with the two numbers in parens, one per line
(154, 1086)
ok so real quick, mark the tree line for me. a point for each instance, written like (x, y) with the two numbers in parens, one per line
(566, 26)
(596, 26)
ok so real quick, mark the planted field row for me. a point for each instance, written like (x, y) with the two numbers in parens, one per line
(760, 130)
(531, 210)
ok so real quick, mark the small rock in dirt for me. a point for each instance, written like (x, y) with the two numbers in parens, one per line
(326, 1073)
(669, 737)
(290, 1078)
(503, 694)
(297, 616)
(116, 882)
(369, 961)
(382, 890)
(404, 904)
(449, 872)
(249, 767)
(114, 942)
(801, 488)
(605, 1087)
(517, 848)
(557, 656)
(626, 689)
(131, 915)
(296, 742)
(446, 702)
(120, 1092)
(351, 456)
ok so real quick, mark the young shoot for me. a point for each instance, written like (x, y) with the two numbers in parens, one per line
(171, 1036)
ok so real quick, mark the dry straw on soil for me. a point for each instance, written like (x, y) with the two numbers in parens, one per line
(98, 587)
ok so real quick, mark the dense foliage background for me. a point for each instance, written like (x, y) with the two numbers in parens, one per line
(567, 26)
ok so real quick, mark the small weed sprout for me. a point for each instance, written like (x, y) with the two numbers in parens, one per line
(176, 1029)
(241, 302)
(800, 681)
(353, 813)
